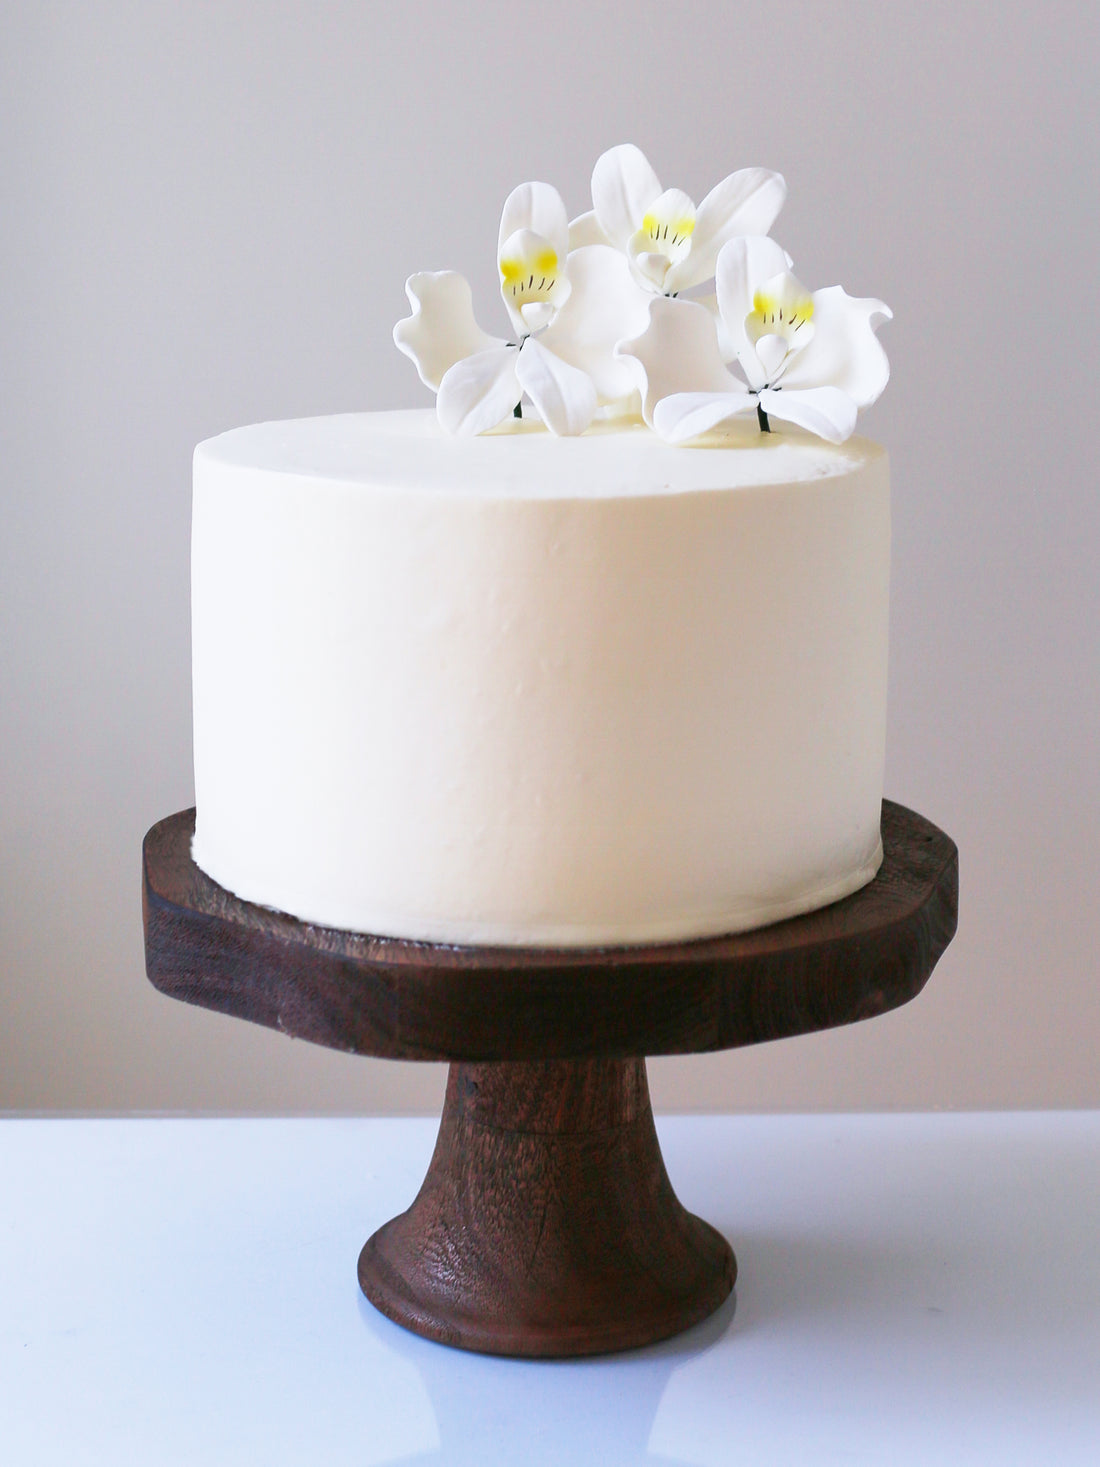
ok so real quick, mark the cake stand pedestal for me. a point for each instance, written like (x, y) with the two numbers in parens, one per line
(546, 1225)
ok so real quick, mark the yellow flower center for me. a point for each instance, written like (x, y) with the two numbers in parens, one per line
(666, 235)
(528, 274)
(779, 313)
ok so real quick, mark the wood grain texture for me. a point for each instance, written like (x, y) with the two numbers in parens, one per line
(547, 1224)
(385, 996)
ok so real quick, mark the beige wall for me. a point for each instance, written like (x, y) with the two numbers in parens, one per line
(210, 210)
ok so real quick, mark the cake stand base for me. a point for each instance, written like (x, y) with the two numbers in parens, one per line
(546, 1224)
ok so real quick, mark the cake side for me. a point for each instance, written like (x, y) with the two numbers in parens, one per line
(621, 693)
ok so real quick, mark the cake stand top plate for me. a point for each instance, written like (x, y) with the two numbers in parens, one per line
(412, 1000)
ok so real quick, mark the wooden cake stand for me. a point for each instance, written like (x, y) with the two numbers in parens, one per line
(546, 1224)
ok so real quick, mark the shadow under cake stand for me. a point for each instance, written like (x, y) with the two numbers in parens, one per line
(546, 1225)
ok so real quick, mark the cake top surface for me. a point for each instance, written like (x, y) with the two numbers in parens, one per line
(408, 450)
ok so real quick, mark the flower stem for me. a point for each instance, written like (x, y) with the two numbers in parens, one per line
(765, 426)
(517, 411)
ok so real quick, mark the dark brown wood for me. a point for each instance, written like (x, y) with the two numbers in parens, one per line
(409, 1000)
(547, 1224)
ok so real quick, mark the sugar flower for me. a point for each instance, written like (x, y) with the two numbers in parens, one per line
(813, 360)
(567, 313)
(672, 245)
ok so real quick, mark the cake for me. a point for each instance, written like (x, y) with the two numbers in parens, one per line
(519, 689)
(592, 654)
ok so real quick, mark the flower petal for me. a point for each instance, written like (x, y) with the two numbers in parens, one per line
(606, 306)
(539, 208)
(649, 266)
(584, 230)
(623, 186)
(771, 351)
(745, 203)
(564, 396)
(536, 315)
(725, 343)
(826, 411)
(663, 237)
(678, 352)
(844, 352)
(686, 415)
(479, 392)
(441, 329)
(743, 266)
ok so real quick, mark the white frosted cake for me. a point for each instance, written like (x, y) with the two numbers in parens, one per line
(528, 690)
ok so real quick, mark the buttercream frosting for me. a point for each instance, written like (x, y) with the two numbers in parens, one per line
(526, 690)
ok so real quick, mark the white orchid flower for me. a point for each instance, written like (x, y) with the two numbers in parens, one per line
(670, 244)
(568, 313)
(813, 360)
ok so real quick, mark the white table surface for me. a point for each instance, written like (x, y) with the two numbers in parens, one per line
(912, 1289)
